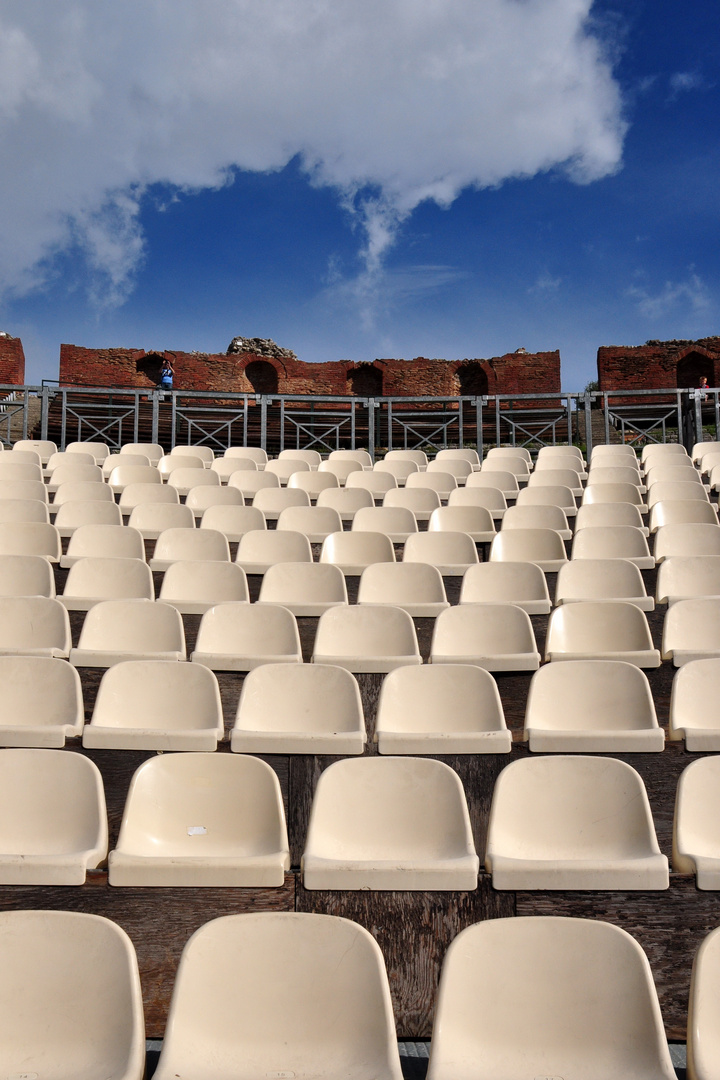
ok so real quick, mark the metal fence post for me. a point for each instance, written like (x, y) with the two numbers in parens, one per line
(155, 432)
(371, 427)
(588, 426)
(263, 422)
(44, 408)
(699, 395)
(479, 442)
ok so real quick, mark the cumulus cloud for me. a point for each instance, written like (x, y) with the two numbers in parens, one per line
(390, 102)
(692, 293)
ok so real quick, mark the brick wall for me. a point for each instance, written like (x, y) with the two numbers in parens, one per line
(12, 361)
(659, 364)
(514, 373)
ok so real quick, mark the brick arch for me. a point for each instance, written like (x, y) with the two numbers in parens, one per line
(366, 380)
(150, 366)
(472, 379)
(262, 376)
(692, 365)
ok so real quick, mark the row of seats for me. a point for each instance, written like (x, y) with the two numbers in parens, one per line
(557, 822)
(583, 989)
(306, 708)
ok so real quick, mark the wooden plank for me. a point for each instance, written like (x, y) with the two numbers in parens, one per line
(158, 921)
(413, 929)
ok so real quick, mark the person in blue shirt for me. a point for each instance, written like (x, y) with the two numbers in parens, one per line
(167, 372)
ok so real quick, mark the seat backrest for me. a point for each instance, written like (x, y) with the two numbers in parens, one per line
(135, 494)
(34, 625)
(150, 519)
(253, 453)
(109, 579)
(269, 546)
(107, 541)
(174, 545)
(26, 575)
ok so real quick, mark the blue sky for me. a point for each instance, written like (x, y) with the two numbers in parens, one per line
(404, 178)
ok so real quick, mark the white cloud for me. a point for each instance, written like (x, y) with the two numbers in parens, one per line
(692, 293)
(683, 81)
(545, 283)
(390, 102)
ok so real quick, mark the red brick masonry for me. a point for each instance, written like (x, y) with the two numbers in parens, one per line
(12, 361)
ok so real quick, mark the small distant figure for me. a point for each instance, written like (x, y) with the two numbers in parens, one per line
(704, 386)
(167, 373)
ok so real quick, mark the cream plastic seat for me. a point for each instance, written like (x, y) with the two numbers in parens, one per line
(418, 456)
(24, 510)
(613, 542)
(285, 467)
(377, 483)
(353, 551)
(92, 580)
(457, 467)
(672, 474)
(497, 637)
(137, 494)
(96, 447)
(151, 519)
(695, 707)
(691, 631)
(24, 489)
(512, 463)
(447, 709)
(33, 626)
(417, 588)
(272, 501)
(442, 482)
(703, 1051)
(563, 463)
(340, 469)
(599, 515)
(366, 639)
(240, 637)
(490, 477)
(361, 456)
(700, 449)
(538, 517)
(451, 552)
(44, 447)
(670, 491)
(601, 630)
(550, 495)
(557, 478)
(26, 575)
(513, 451)
(41, 703)
(562, 450)
(522, 584)
(81, 491)
(156, 705)
(252, 453)
(602, 579)
(696, 836)
(543, 547)
(311, 457)
(30, 538)
(617, 714)
(490, 497)
(299, 709)
(304, 588)
(572, 822)
(210, 820)
(114, 461)
(399, 469)
(397, 823)
(679, 512)
(475, 521)
(205, 453)
(315, 522)
(421, 501)
(609, 450)
(153, 451)
(265, 1014)
(459, 453)
(123, 475)
(77, 457)
(688, 577)
(397, 522)
(200, 499)
(583, 987)
(194, 545)
(194, 587)
(104, 541)
(170, 462)
(186, 480)
(688, 538)
(19, 470)
(224, 467)
(74, 474)
(708, 463)
(249, 483)
(315, 482)
(117, 630)
(663, 451)
(234, 521)
(53, 821)
(616, 474)
(614, 493)
(71, 966)
(347, 501)
(260, 549)
(71, 515)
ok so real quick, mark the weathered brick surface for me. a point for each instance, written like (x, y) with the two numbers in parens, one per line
(659, 364)
(514, 373)
(12, 361)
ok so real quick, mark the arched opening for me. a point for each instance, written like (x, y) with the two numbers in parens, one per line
(692, 368)
(150, 366)
(366, 381)
(262, 377)
(473, 379)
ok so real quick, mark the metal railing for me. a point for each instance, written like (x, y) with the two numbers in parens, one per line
(325, 422)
